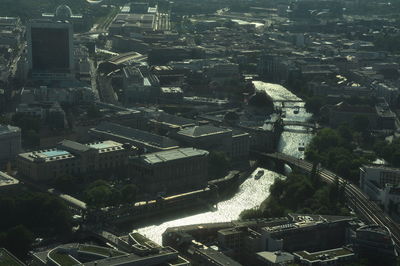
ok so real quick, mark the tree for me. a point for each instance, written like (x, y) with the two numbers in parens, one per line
(261, 100)
(66, 183)
(98, 194)
(19, 240)
(128, 193)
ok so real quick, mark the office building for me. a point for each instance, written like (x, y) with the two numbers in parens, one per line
(10, 142)
(70, 157)
(376, 244)
(337, 256)
(306, 232)
(374, 178)
(171, 171)
(50, 49)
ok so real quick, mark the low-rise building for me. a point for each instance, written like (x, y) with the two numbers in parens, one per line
(170, 95)
(309, 232)
(343, 113)
(171, 171)
(141, 139)
(374, 178)
(10, 142)
(276, 258)
(71, 157)
(376, 244)
(139, 87)
(337, 256)
(7, 182)
(234, 143)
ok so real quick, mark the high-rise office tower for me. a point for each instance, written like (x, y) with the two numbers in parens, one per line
(50, 49)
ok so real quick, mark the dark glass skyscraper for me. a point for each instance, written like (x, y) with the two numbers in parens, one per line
(50, 49)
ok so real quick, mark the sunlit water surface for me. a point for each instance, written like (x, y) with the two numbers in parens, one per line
(252, 192)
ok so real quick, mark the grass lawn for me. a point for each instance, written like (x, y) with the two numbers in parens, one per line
(100, 250)
(63, 259)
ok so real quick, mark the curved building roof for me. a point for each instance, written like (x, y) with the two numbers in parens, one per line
(63, 12)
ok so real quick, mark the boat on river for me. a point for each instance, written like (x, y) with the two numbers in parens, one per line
(259, 174)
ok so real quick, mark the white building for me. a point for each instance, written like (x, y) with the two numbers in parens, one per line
(380, 183)
(10, 142)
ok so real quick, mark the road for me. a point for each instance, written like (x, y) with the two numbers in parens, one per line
(362, 205)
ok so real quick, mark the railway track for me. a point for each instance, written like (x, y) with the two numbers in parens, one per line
(366, 208)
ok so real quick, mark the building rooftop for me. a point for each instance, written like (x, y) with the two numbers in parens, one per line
(7, 180)
(135, 135)
(200, 131)
(173, 120)
(381, 167)
(5, 129)
(324, 255)
(47, 155)
(172, 155)
(107, 145)
(276, 256)
(374, 229)
(73, 146)
(217, 257)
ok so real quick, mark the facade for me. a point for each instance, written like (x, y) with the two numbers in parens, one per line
(243, 241)
(172, 95)
(381, 183)
(234, 143)
(375, 243)
(273, 241)
(50, 49)
(311, 233)
(374, 178)
(71, 157)
(343, 113)
(138, 87)
(10, 142)
(170, 171)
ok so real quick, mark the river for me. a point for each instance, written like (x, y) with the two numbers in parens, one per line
(252, 192)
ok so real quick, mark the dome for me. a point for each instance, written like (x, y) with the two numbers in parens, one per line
(63, 12)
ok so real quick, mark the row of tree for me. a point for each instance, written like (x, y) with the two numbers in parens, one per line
(300, 193)
(28, 215)
(336, 150)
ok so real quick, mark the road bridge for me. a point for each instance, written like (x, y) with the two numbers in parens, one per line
(367, 209)
(288, 101)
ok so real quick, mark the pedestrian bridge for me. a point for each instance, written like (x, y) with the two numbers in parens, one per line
(306, 126)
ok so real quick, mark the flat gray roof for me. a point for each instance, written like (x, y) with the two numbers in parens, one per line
(198, 131)
(7, 180)
(176, 154)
